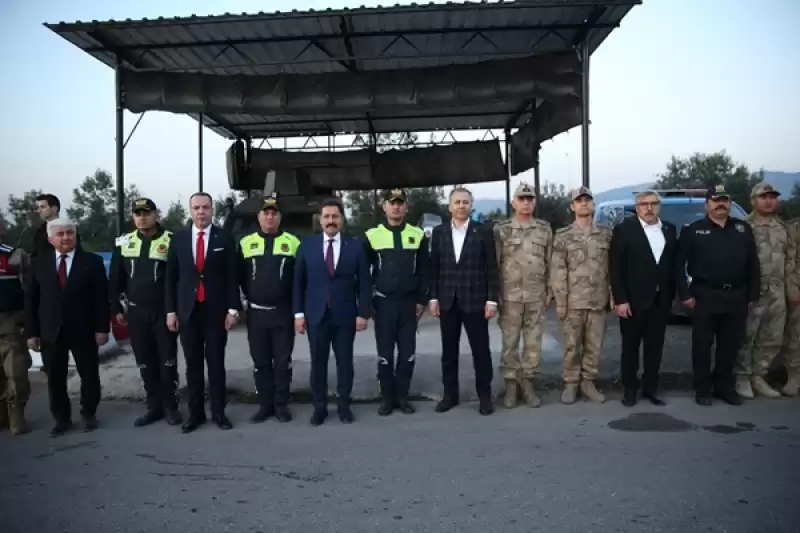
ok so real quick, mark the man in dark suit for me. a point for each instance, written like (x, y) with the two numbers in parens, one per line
(464, 287)
(67, 310)
(642, 267)
(332, 293)
(202, 303)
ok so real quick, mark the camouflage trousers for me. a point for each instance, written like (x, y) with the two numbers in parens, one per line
(584, 331)
(15, 360)
(521, 319)
(791, 342)
(766, 323)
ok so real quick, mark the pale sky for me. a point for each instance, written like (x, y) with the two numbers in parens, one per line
(678, 77)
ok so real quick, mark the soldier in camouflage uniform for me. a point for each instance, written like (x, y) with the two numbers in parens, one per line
(579, 283)
(766, 320)
(523, 247)
(15, 360)
(791, 344)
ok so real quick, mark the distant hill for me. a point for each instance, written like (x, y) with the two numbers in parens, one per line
(783, 181)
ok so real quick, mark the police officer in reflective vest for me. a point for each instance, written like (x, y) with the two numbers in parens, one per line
(266, 267)
(398, 255)
(15, 360)
(137, 271)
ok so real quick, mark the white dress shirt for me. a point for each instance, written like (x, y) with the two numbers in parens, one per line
(655, 236)
(206, 237)
(337, 247)
(70, 257)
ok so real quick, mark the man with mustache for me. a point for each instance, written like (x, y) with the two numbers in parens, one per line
(719, 254)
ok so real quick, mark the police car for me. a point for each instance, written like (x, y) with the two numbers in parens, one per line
(681, 207)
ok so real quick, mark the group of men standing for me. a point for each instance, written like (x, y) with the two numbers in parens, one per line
(740, 278)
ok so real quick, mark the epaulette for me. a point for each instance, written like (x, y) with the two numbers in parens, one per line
(6, 248)
(542, 222)
(505, 222)
(563, 230)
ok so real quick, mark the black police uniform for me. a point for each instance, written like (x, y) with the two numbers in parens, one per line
(722, 262)
(400, 283)
(266, 273)
(138, 266)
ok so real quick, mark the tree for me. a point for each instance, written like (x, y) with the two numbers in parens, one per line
(361, 206)
(21, 219)
(176, 217)
(553, 206)
(94, 210)
(220, 210)
(701, 171)
(790, 208)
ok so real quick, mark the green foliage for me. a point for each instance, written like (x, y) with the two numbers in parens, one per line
(553, 206)
(790, 207)
(176, 217)
(701, 171)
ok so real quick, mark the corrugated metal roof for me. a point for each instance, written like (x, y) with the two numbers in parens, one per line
(355, 40)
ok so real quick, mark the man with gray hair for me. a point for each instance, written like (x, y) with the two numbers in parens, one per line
(67, 310)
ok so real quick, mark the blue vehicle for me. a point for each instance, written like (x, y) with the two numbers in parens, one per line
(678, 206)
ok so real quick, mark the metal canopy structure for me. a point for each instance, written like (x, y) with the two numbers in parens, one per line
(512, 65)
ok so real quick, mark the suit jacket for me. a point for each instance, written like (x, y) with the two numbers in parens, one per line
(474, 278)
(79, 310)
(219, 275)
(349, 289)
(635, 274)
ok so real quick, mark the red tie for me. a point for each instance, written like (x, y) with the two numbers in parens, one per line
(62, 271)
(201, 261)
(329, 257)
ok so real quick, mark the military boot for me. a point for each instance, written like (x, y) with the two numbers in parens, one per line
(529, 394)
(16, 419)
(3, 415)
(761, 388)
(589, 391)
(792, 384)
(570, 393)
(387, 401)
(510, 399)
(743, 387)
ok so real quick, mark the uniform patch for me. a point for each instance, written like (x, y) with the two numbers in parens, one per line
(411, 240)
(253, 245)
(161, 248)
(739, 228)
(284, 247)
(132, 245)
(122, 241)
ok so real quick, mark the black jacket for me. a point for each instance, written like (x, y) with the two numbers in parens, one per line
(141, 279)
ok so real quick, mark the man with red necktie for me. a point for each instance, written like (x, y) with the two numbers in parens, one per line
(202, 301)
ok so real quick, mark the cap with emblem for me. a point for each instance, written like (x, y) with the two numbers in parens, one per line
(717, 191)
(524, 190)
(395, 194)
(764, 188)
(143, 204)
(580, 192)
(270, 202)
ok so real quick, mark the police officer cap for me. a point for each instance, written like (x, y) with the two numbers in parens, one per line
(395, 194)
(271, 202)
(581, 191)
(524, 190)
(717, 191)
(764, 188)
(143, 204)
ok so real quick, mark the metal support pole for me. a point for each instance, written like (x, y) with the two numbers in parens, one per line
(507, 144)
(537, 180)
(120, 148)
(585, 110)
(200, 153)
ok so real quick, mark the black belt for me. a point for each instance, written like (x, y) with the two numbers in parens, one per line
(724, 287)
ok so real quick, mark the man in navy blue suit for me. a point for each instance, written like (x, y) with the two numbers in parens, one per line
(332, 293)
(202, 302)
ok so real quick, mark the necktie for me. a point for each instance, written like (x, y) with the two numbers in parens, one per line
(329, 257)
(200, 261)
(62, 271)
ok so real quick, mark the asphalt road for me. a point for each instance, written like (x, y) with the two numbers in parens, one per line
(581, 468)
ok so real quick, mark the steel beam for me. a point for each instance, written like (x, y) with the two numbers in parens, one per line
(200, 152)
(120, 146)
(585, 112)
(507, 144)
(537, 181)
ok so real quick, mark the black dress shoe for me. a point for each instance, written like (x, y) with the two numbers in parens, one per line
(729, 397)
(173, 417)
(263, 413)
(654, 398)
(89, 423)
(446, 404)
(283, 414)
(346, 415)
(194, 422)
(60, 428)
(148, 418)
(406, 407)
(703, 399)
(629, 399)
(485, 406)
(386, 408)
(222, 422)
(318, 417)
